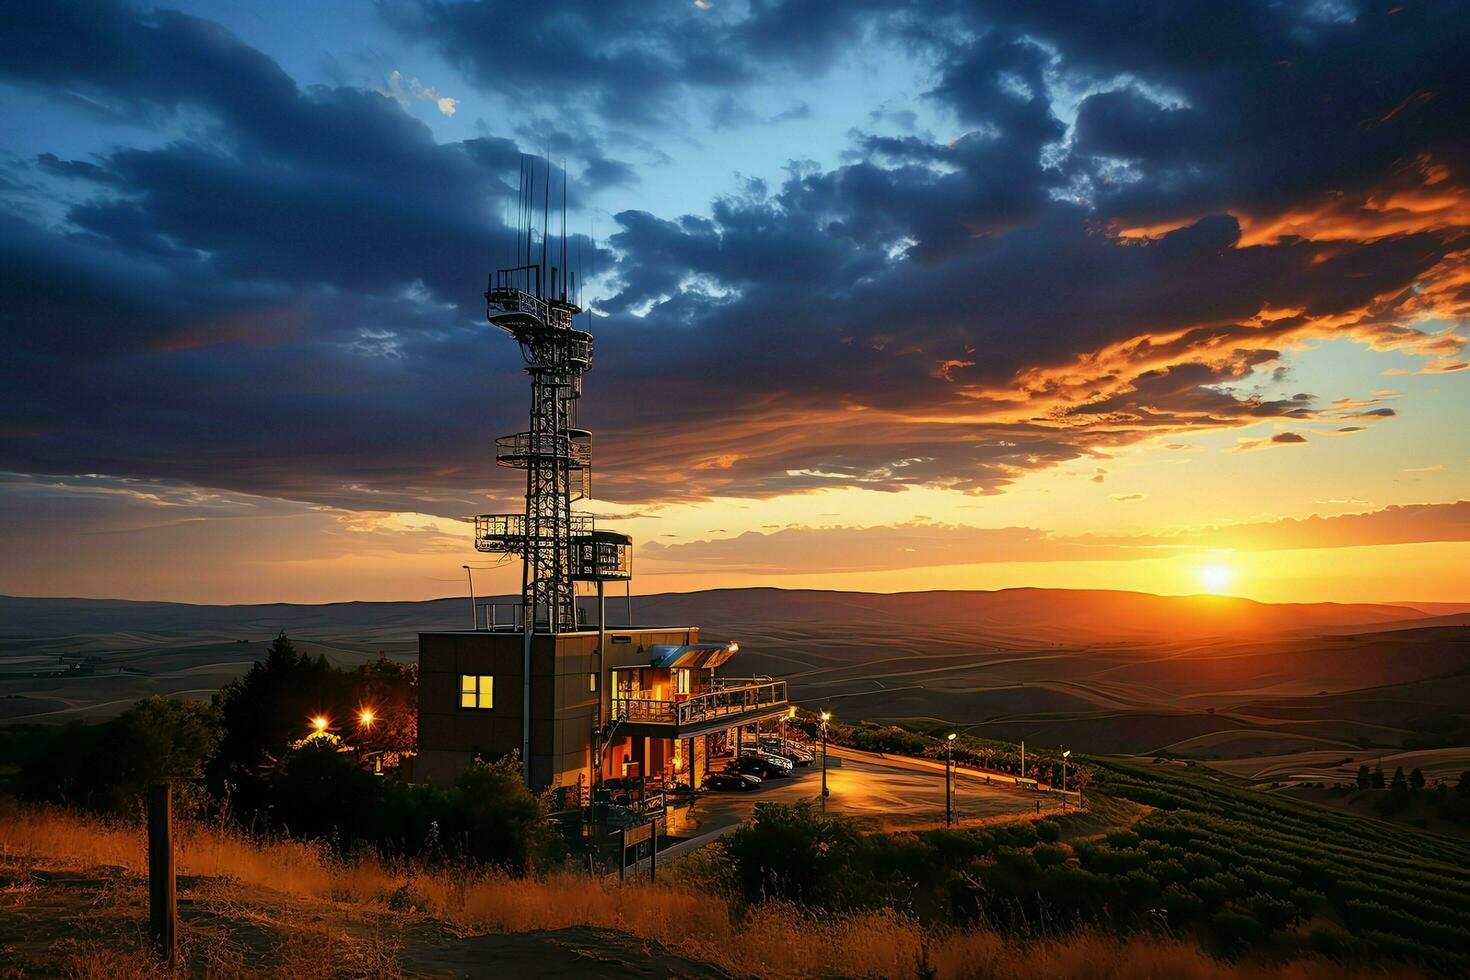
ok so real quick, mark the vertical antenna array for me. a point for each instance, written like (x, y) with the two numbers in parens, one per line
(531, 301)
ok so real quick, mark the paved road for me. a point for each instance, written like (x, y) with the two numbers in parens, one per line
(860, 788)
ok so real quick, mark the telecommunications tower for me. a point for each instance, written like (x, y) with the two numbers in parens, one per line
(534, 300)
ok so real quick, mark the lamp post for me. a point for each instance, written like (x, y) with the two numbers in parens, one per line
(826, 717)
(949, 780)
(786, 729)
(474, 614)
(1065, 753)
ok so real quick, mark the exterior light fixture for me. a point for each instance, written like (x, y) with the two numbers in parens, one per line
(319, 723)
(826, 717)
(949, 779)
(366, 717)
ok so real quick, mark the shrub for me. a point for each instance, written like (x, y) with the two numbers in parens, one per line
(1232, 933)
(320, 792)
(503, 823)
(793, 852)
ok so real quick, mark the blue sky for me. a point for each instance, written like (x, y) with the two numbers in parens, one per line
(965, 268)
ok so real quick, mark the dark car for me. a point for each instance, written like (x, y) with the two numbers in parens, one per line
(796, 754)
(761, 764)
(730, 780)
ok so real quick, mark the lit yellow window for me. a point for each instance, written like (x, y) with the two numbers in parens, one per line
(592, 683)
(476, 691)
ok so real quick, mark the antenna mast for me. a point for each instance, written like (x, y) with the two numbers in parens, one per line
(560, 548)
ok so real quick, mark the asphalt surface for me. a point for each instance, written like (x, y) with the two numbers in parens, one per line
(859, 788)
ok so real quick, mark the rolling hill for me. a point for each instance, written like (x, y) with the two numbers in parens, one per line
(1118, 672)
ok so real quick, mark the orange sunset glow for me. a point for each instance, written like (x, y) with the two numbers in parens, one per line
(747, 488)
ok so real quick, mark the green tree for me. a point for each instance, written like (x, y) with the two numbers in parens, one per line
(160, 740)
(108, 767)
(267, 709)
(1365, 778)
(1378, 782)
(1462, 788)
(390, 690)
(1416, 779)
(1399, 786)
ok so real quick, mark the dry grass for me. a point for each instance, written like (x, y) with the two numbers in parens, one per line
(770, 940)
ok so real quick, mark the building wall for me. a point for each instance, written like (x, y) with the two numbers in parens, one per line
(563, 707)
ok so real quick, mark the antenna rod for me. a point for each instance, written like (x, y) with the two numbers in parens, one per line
(564, 228)
(545, 212)
(526, 208)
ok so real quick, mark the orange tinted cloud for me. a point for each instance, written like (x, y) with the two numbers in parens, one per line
(797, 550)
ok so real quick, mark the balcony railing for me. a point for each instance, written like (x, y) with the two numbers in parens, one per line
(729, 699)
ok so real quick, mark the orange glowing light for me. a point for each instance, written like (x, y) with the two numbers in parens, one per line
(366, 717)
(319, 723)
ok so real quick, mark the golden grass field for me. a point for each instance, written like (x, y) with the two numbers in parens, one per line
(73, 903)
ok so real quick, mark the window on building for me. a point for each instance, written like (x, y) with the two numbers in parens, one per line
(592, 683)
(681, 680)
(476, 691)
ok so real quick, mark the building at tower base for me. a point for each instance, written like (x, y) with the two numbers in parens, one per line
(664, 696)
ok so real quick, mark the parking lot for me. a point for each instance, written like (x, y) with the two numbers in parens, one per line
(886, 792)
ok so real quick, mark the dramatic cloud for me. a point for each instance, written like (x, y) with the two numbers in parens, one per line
(275, 289)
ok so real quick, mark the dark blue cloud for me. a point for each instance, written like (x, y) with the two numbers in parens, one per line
(285, 297)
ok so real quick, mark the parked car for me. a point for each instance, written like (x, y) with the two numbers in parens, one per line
(762, 764)
(731, 780)
(799, 755)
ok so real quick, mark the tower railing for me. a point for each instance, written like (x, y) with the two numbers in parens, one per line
(518, 448)
(506, 533)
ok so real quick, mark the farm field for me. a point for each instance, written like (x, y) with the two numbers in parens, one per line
(1198, 677)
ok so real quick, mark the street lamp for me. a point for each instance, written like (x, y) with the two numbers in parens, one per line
(474, 613)
(1065, 753)
(826, 717)
(319, 723)
(786, 728)
(365, 718)
(949, 780)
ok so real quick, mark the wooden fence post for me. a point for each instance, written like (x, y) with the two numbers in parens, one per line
(163, 900)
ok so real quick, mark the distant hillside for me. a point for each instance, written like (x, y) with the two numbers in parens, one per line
(1049, 615)
(1035, 613)
(1116, 671)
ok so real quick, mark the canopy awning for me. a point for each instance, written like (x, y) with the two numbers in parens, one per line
(694, 655)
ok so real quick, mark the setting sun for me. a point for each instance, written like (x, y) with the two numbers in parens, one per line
(1216, 578)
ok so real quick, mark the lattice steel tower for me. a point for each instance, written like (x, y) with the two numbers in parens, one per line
(532, 301)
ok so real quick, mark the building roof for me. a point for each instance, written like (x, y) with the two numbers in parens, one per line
(692, 655)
